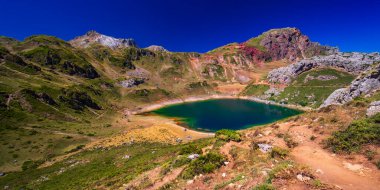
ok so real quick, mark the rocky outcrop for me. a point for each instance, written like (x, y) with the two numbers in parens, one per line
(93, 37)
(272, 92)
(42, 96)
(320, 77)
(132, 82)
(156, 48)
(277, 44)
(78, 100)
(291, 44)
(373, 109)
(363, 85)
(351, 62)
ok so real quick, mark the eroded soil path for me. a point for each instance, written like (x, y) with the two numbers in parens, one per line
(332, 171)
(166, 179)
(330, 168)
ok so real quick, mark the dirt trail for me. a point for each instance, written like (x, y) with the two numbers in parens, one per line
(168, 178)
(329, 167)
(331, 170)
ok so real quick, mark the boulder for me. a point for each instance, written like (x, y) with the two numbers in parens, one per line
(193, 156)
(265, 147)
(301, 177)
(367, 83)
(373, 108)
(272, 92)
(129, 83)
(126, 156)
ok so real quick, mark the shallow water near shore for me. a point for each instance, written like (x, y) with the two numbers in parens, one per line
(212, 115)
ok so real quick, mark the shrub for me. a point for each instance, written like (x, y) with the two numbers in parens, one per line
(196, 85)
(370, 154)
(357, 134)
(378, 164)
(107, 125)
(289, 141)
(317, 183)
(190, 149)
(30, 164)
(79, 147)
(33, 132)
(180, 161)
(264, 186)
(284, 170)
(204, 164)
(228, 135)
(279, 153)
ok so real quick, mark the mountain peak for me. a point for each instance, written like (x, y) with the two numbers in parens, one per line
(156, 48)
(284, 30)
(92, 33)
(287, 43)
(93, 37)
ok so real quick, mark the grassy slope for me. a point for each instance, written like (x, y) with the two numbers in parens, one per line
(99, 167)
(83, 105)
(255, 90)
(313, 92)
(39, 127)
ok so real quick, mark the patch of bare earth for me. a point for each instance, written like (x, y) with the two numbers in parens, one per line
(151, 129)
(233, 89)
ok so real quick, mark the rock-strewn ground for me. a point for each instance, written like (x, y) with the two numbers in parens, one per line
(364, 85)
(350, 62)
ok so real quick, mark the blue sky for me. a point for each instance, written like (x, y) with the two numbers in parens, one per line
(196, 25)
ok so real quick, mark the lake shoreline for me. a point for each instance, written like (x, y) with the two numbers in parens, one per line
(162, 104)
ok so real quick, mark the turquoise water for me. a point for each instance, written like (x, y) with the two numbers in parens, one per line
(212, 115)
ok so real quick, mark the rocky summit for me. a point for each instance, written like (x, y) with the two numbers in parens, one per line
(84, 114)
(156, 48)
(93, 37)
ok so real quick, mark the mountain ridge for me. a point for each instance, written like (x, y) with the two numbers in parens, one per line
(60, 98)
(92, 37)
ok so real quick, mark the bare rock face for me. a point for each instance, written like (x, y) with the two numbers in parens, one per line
(351, 62)
(277, 44)
(373, 108)
(93, 37)
(156, 48)
(291, 44)
(366, 84)
(132, 82)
